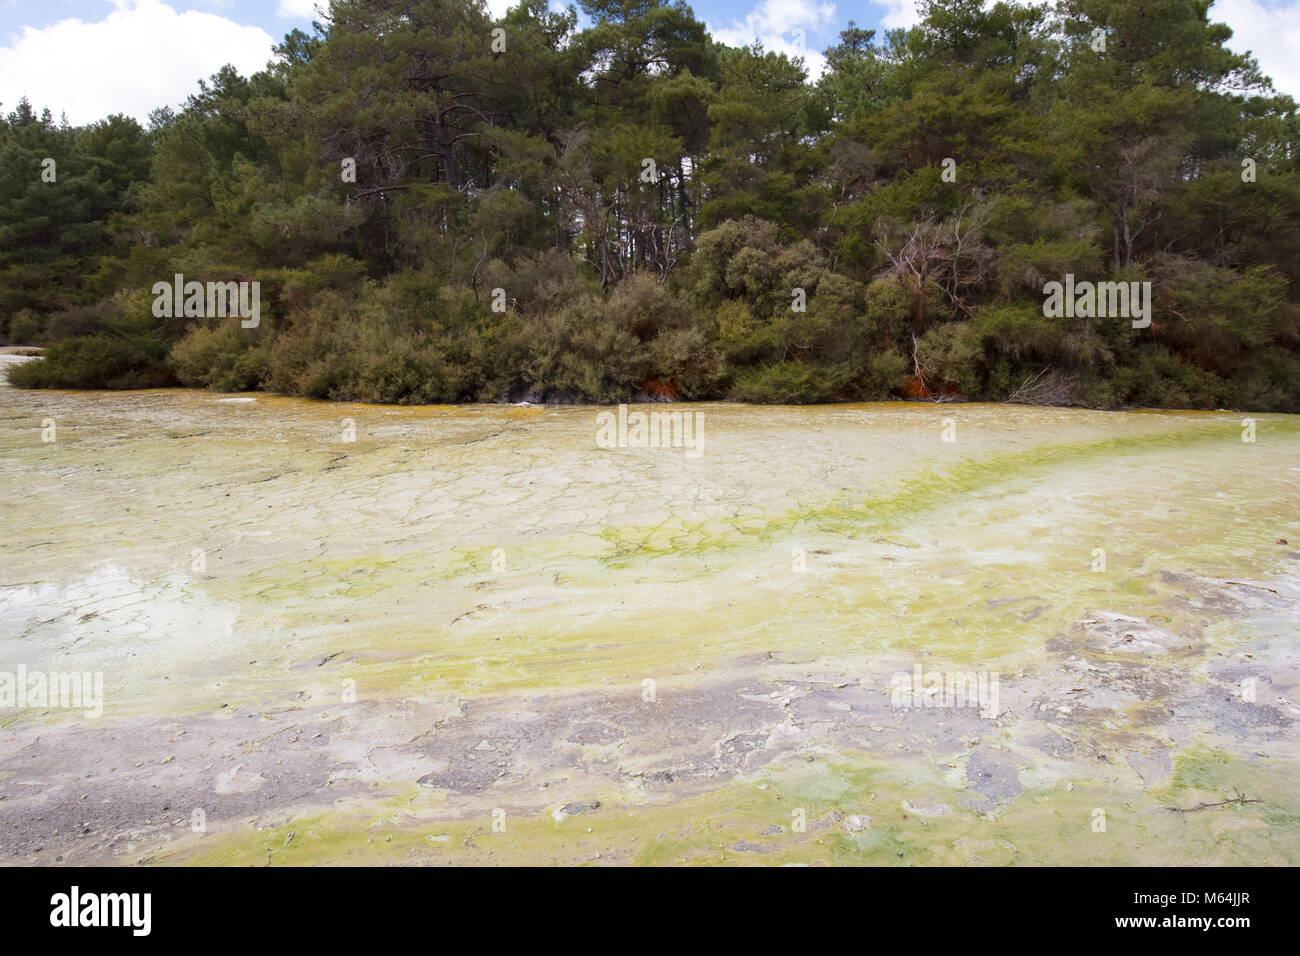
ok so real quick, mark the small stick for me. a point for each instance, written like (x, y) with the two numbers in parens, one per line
(1240, 798)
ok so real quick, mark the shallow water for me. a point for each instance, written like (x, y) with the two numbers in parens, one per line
(454, 565)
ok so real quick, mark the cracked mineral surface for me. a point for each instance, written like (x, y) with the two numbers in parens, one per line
(472, 635)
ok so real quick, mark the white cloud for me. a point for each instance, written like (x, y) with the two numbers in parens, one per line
(783, 26)
(898, 13)
(1270, 30)
(142, 55)
(301, 9)
(497, 8)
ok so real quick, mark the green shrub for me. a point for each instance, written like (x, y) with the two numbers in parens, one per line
(1020, 330)
(882, 374)
(127, 349)
(580, 354)
(73, 323)
(226, 358)
(790, 383)
(26, 328)
(951, 358)
(104, 360)
(685, 359)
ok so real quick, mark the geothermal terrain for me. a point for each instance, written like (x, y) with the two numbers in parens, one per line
(334, 634)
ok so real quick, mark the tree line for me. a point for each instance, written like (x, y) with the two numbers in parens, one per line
(443, 207)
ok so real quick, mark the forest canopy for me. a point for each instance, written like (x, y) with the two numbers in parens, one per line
(443, 207)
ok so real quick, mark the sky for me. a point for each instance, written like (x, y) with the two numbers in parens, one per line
(90, 58)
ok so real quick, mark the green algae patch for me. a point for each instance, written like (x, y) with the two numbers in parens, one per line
(848, 809)
(1241, 810)
(213, 559)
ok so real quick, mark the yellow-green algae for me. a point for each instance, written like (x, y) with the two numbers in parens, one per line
(457, 553)
(752, 822)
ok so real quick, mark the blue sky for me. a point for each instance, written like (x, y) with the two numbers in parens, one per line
(92, 57)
